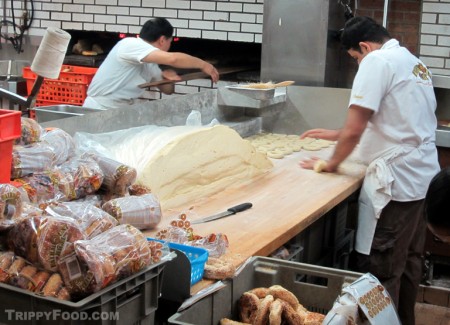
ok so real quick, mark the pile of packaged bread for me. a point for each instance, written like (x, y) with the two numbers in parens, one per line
(71, 221)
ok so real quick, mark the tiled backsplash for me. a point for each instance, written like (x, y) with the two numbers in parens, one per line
(435, 36)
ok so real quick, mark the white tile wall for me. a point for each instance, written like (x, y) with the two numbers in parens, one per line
(435, 36)
(213, 19)
(232, 20)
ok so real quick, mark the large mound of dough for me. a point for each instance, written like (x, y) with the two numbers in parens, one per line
(183, 163)
(201, 162)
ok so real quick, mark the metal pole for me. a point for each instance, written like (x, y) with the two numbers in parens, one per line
(385, 13)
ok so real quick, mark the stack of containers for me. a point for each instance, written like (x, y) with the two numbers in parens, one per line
(10, 130)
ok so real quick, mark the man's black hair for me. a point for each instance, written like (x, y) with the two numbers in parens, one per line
(437, 201)
(362, 29)
(154, 28)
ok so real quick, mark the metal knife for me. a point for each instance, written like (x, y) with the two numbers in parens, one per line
(229, 212)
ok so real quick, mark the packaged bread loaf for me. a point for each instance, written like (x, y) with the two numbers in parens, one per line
(61, 142)
(30, 133)
(30, 159)
(56, 235)
(22, 238)
(10, 205)
(92, 220)
(41, 187)
(110, 256)
(143, 212)
(86, 175)
(18, 272)
(117, 176)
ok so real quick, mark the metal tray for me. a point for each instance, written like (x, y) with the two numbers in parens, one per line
(260, 94)
(56, 112)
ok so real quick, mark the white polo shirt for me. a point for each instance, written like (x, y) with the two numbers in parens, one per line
(397, 86)
(118, 77)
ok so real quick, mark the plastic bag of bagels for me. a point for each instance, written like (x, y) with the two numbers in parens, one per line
(10, 205)
(94, 264)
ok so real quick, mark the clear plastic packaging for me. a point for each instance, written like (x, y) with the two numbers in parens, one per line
(10, 205)
(30, 159)
(143, 212)
(61, 142)
(30, 133)
(104, 259)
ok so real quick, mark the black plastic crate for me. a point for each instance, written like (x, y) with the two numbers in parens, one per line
(133, 300)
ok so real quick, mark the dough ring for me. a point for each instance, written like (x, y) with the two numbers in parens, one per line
(279, 292)
(262, 314)
(248, 305)
(314, 318)
(275, 154)
(276, 310)
(312, 147)
(218, 269)
(319, 165)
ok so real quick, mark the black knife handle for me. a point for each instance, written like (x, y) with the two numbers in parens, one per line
(240, 207)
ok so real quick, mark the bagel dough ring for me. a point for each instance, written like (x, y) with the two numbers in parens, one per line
(319, 165)
(262, 314)
(279, 292)
(312, 147)
(248, 305)
(276, 311)
(218, 269)
(275, 154)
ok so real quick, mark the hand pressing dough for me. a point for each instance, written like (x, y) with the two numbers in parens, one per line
(319, 165)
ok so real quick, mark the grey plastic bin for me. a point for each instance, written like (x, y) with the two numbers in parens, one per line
(133, 300)
(316, 288)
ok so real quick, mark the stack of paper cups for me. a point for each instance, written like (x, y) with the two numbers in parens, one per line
(50, 54)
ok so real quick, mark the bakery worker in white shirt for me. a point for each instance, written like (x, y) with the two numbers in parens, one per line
(134, 61)
(391, 115)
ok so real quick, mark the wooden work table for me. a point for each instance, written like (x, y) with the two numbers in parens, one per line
(286, 200)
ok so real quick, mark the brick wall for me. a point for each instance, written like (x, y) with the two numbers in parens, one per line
(435, 36)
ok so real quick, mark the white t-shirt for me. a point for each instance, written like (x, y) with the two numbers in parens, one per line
(397, 86)
(118, 77)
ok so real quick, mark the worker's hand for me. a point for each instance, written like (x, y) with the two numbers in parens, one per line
(325, 134)
(314, 162)
(170, 74)
(211, 71)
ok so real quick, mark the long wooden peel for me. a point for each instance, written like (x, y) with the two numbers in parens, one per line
(268, 85)
(195, 75)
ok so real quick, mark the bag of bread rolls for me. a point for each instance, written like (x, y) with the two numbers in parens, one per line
(42, 187)
(110, 256)
(55, 237)
(143, 212)
(85, 173)
(22, 238)
(30, 131)
(92, 220)
(30, 159)
(61, 143)
(10, 205)
(117, 176)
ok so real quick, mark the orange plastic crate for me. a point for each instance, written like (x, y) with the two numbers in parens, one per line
(10, 130)
(70, 88)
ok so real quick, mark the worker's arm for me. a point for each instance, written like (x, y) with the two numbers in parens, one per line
(182, 60)
(349, 136)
